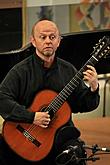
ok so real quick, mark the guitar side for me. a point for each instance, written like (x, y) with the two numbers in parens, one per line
(32, 142)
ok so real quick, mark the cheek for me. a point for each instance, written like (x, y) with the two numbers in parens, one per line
(56, 45)
(39, 45)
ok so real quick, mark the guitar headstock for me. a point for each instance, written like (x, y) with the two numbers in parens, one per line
(102, 48)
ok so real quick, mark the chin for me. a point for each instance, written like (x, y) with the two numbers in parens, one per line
(48, 54)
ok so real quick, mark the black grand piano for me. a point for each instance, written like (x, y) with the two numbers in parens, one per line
(75, 48)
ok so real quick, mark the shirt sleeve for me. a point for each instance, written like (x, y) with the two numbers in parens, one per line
(10, 109)
(83, 99)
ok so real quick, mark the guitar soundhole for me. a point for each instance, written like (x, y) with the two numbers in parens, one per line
(51, 112)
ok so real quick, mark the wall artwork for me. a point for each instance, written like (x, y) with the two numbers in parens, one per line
(89, 16)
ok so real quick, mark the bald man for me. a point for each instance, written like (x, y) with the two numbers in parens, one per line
(25, 98)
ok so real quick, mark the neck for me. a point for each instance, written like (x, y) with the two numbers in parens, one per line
(47, 64)
(48, 60)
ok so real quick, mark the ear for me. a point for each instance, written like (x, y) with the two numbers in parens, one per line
(32, 40)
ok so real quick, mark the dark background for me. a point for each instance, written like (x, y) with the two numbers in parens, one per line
(10, 28)
(77, 49)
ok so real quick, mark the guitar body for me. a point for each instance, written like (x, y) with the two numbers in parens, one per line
(30, 141)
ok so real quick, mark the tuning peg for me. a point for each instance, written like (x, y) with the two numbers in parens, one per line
(94, 47)
(101, 46)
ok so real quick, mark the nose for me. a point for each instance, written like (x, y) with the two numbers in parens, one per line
(47, 40)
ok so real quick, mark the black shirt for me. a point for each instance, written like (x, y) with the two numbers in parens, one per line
(27, 78)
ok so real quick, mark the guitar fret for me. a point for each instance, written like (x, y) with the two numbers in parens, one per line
(60, 98)
(62, 94)
(65, 91)
(55, 104)
(75, 83)
(70, 87)
(78, 78)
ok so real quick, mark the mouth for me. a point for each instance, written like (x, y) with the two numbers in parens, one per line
(48, 48)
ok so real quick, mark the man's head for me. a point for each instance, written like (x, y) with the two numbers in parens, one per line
(45, 37)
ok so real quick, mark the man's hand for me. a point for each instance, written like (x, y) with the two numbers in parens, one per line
(90, 75)
(42, 119)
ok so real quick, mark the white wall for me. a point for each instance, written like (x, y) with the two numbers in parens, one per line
(60, 16)
(33, 3)
(99, 111)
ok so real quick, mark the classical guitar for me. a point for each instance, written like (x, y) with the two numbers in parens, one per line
(34, 143)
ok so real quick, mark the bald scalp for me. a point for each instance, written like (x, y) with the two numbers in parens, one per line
(42, 23)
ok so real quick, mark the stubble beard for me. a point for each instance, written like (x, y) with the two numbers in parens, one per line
(48, 53)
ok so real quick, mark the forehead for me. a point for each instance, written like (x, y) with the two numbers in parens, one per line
(45, 27)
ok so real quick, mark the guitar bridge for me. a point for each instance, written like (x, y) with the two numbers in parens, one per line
(28, 135)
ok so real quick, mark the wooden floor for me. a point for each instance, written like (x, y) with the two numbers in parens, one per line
(96, 131)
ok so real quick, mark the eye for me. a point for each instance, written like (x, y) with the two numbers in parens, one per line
(42, 37)
(52, 37)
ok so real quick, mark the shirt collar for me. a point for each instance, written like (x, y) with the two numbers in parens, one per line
(41, 62)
